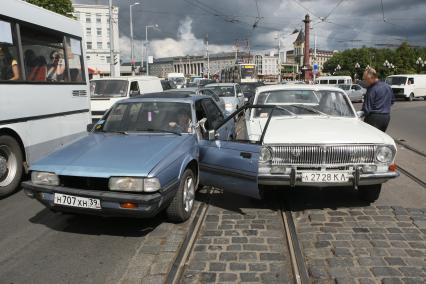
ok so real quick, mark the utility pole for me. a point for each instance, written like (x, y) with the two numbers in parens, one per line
(315, 55)
(208, 56)
(279, 58)
(111, 39)
(132, 55)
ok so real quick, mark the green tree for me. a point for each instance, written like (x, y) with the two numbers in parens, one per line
(63, 7)
(403, 59)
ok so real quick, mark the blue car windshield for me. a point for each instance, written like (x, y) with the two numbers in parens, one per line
(173, 117)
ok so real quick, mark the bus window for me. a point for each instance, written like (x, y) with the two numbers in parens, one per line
(323, 82)
(43, 55)
(332, 82)
(341, 81)
(9, 67)
(74, 57)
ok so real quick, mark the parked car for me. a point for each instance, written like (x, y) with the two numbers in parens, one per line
(315, 138)
(141, 158)
(206, 92)
(177, 78)
(168, 85)
(105, 92)
(249, 90)
(231, 94)
(354, 91)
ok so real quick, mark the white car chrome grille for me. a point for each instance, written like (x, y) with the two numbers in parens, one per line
(323, 154)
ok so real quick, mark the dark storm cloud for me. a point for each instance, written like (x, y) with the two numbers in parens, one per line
(352, 23)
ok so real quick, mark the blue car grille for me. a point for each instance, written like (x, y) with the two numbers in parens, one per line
(91, 183)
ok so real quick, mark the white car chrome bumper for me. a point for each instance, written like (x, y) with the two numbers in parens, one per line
(356, 179)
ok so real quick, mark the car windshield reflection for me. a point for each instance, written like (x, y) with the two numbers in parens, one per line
(306, 102)
(153, 117)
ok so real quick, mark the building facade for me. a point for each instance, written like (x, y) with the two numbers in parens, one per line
(95, 21)
(267, 66)
(194, 65)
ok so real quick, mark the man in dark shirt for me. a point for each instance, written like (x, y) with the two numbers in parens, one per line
(378, 101)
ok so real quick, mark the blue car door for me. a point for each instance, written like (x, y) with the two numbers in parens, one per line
(229, 162)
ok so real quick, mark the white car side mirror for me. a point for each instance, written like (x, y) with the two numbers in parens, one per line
(240, 95)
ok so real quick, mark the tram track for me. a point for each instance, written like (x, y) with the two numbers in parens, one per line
(181, 262)
(405, 171)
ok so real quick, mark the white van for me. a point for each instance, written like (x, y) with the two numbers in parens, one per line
(105, 92)
(178, 78)
(408, 86)
(334, 80)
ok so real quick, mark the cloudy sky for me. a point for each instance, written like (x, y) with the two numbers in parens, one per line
(338, 24)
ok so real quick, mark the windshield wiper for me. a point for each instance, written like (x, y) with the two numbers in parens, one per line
(117, 132)
(311, 109)
(162, 131)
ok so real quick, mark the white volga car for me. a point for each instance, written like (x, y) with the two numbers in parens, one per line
(314, 137)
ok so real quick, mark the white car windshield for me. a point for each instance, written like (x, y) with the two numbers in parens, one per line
(108, 88)
(306, 102)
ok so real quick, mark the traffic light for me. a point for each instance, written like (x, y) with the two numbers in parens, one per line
(115, 59)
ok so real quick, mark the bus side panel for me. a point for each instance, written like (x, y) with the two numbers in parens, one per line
(42, 113)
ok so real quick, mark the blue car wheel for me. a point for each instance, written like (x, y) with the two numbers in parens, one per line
(181, 206)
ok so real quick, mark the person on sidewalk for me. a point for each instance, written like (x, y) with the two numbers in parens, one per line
(378, 101)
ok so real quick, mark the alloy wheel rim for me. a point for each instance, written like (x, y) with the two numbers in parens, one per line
(188, 194)
(8, 165)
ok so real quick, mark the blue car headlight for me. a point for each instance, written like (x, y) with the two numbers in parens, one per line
(44, 178)
(134, 184)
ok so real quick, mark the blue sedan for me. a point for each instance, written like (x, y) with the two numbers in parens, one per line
(145, 156)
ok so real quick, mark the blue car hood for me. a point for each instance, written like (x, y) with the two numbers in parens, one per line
(105, 155)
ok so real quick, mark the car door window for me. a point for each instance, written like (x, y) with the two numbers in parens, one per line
(134, 89)
(214, 115)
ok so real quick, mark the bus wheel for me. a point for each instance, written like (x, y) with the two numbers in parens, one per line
(11, 165)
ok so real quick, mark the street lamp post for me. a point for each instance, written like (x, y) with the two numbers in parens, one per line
(132, 56)
(388, 65)
(357, 66)
(420, 63)
(338, 68)
(146, 44)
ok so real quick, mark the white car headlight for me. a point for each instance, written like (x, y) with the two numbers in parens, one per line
(384, 154)
(126, 184)
(44, 178)
(265, 155)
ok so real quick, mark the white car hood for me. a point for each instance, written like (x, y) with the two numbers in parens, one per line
(323, 130)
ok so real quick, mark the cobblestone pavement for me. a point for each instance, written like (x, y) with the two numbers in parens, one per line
(241, 240)
(155, 255)
(368, 244)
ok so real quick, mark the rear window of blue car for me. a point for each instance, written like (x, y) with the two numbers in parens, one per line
(149, 117)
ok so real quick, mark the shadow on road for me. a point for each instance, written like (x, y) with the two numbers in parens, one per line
(297, 199)
(95, 225)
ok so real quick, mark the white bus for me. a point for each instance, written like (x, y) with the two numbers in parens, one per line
(334, 80)
(44, 90)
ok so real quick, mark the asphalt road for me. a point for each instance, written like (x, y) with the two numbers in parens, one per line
(408, 122)
(39, 246)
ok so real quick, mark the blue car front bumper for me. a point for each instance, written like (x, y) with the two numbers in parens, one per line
(148, 205)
